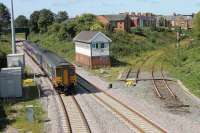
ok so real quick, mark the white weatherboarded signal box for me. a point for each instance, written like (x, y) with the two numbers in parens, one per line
(92, 49)
(11, 82)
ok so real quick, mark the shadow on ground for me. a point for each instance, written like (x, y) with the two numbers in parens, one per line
(4, 121)
(117, 63)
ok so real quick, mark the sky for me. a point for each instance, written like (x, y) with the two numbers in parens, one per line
(77, 7)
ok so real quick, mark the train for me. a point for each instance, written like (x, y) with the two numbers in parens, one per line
(61, 72)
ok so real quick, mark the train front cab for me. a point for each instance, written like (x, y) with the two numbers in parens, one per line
(65, 80)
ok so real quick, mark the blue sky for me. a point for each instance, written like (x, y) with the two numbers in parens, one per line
(77, 7)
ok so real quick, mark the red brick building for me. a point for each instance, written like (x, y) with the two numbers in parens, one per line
(142, 20)
(116, 22)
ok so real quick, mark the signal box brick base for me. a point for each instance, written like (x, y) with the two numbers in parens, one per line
(93, 62)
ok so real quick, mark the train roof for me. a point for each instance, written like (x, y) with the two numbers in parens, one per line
(35, 46)
(52, 58)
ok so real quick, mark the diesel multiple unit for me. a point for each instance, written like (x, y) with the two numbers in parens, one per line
(61, 72)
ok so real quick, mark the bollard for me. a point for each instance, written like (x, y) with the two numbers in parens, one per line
(30, 113)
(110, 86)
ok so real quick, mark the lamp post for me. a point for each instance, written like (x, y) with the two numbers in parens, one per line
(13, 29)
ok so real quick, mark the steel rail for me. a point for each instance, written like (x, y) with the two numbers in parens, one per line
(66, 114)
(82, 114)
(154, 83)
(166, 84)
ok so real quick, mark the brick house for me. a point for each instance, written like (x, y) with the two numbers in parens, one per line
(183, 21)
(142, 20)
(92, 49)
(134, 20)
(162, 21)
(116, 22)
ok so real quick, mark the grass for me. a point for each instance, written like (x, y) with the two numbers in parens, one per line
(186, 66)
(20, 36)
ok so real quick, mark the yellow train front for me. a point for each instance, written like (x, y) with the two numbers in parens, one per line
(61, 72)
(64, 79)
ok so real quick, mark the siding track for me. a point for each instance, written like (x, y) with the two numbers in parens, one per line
(162, 93)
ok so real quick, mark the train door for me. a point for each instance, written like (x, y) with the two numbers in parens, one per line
(66, 77)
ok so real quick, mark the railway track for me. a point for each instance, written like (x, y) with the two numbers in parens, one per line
(156, 88)
(166, 84)
(65, 117)
(172, 102)
(161, 93)
(134, 120)
(77, 120)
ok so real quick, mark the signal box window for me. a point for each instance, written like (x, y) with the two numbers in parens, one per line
(102, 45)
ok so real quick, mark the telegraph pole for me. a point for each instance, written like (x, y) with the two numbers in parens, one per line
(13, 29)
(178, 38)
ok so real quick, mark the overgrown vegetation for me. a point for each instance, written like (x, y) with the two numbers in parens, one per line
(4, 17)
(127, 44)
(184, 63)
(5, 48)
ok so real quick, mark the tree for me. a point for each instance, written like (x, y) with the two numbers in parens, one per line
(85, 22)
(61, 16)
(4, 16)
(54, 28)
(97, 27)
(196, 25)
(21, 21)
(46, 18)
(34, 21)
